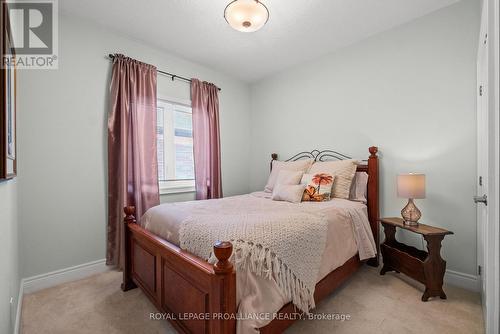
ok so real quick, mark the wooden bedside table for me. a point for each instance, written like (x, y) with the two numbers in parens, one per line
(426, 267)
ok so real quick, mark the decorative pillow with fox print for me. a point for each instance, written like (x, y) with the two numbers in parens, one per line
(318, 187)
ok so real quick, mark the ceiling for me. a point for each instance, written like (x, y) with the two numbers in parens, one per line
(297, 30)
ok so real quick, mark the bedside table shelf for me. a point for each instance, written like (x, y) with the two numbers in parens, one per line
(426, 267)
(406, 259)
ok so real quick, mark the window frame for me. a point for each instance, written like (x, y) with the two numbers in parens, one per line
(175, 186)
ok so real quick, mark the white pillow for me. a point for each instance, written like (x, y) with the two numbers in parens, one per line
(289, 177)
(342, 170)
(358, 187)
(288, 193)
(299, 165)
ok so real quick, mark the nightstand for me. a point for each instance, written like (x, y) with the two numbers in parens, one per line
(426, 267)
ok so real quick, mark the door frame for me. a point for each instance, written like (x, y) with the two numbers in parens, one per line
(491, 277)
(482, 147)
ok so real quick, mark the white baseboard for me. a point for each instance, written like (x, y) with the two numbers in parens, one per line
(43, 281)
(48, 280)
(462, 280)
(17, 324)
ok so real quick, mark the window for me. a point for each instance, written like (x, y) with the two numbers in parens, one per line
(174, 136)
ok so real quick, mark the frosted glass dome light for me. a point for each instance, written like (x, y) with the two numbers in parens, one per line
(246, 15)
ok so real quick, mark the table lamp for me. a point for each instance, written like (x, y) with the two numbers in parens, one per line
(411, 186)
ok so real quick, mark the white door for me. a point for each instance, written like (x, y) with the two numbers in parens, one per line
(487, 164)
(482, 152)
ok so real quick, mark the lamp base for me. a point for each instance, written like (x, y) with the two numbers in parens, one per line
(410, 213)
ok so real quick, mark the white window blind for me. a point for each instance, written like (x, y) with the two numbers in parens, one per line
(175, 146)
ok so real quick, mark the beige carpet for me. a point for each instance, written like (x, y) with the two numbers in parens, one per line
(376, 304)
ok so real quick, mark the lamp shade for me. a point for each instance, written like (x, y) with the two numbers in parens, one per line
(246, 15)
(411, 185)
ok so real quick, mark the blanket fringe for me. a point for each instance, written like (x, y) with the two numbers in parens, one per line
(262, 262)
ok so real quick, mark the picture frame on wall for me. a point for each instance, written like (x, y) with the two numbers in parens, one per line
(8, 133)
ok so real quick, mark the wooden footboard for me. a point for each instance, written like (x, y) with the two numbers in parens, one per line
(181, 285)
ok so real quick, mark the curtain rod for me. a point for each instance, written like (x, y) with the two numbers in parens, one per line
(173, 76)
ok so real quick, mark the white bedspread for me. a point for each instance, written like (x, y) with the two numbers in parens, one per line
(274, 245)
(348, 233)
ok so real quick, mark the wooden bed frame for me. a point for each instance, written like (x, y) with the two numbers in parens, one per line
(185, 287)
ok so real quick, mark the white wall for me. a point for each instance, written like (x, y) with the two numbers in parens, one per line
(9, 259)
(410, 91)
(63, 139)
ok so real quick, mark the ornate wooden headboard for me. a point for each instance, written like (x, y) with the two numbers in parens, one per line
(369, 166)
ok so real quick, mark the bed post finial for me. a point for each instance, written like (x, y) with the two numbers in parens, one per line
(223, 251)
(274, 156)
(373, 151)
(129, 214)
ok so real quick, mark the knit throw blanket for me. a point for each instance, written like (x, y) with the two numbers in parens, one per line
(282, 246)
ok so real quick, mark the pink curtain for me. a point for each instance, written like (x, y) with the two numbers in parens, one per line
(206, 138)
(132, 164)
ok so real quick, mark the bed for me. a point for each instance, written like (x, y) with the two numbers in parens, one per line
(200, 296)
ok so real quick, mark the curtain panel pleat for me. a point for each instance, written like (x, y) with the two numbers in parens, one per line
(206, 139)
(132, 161)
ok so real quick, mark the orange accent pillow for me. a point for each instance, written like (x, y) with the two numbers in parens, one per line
(318, 187)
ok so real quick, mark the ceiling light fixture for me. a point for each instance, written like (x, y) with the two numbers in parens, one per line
(246, 15)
